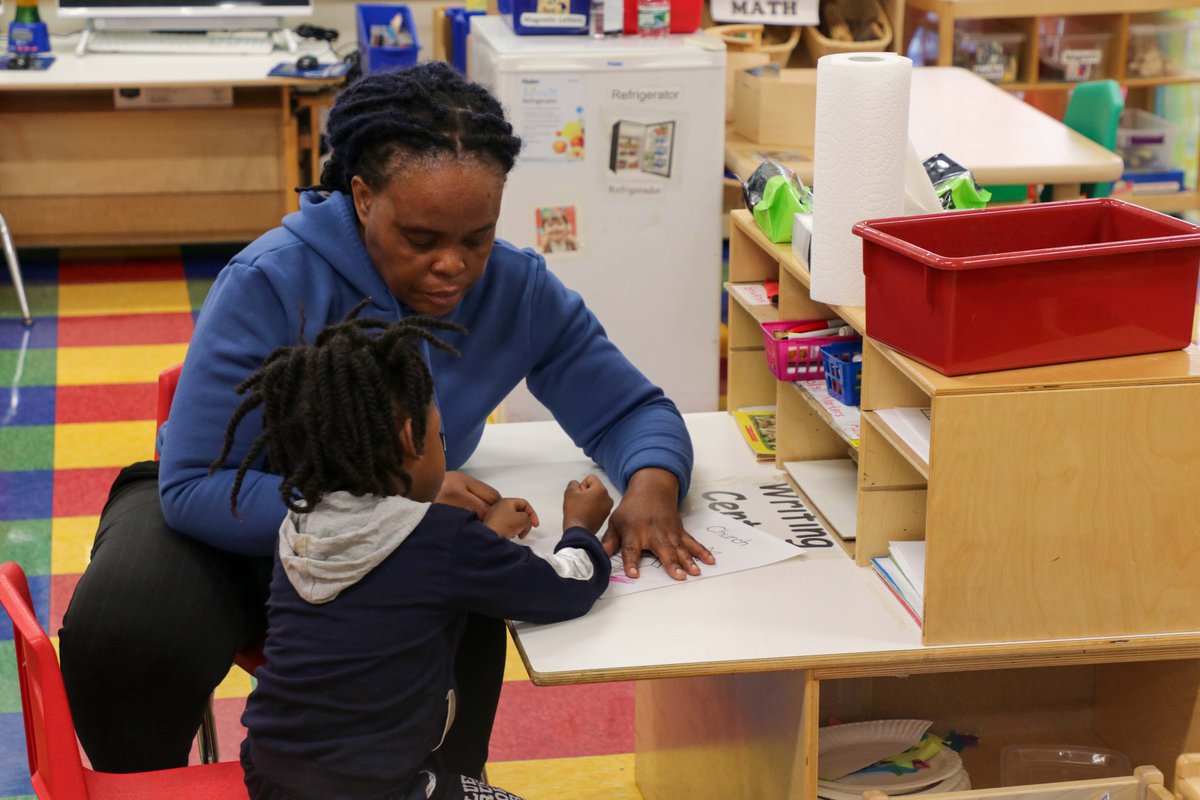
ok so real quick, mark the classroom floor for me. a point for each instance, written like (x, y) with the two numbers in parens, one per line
(77, 402)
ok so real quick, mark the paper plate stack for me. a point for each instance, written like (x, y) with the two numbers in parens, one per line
(858, 756)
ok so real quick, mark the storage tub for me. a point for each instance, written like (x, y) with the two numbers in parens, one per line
(796, 359)
(993, 56)
(1026, 764)
(379, 58)
(1020, 286)
(1074, 55)
(1159, 47)
(843, 375)
(1145, 142)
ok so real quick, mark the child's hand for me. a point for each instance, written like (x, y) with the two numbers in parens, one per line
(510, 517)
(586, 504)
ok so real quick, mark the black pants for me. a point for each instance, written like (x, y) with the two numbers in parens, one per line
(445, 786)
(156, 620)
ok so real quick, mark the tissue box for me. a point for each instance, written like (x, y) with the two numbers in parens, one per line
(775, 106)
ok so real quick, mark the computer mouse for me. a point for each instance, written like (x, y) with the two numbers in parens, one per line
(307, 62)
(20, 61)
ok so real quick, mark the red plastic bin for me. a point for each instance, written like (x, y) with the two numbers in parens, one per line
(796, 359)
(686, 16)
(1021, 286)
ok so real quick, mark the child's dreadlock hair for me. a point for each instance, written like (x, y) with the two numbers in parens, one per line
(330, 408)
(425, 111)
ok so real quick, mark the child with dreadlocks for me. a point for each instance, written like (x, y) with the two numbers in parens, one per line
(373, 580)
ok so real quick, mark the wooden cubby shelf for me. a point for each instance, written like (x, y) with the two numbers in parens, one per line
(1056, 502)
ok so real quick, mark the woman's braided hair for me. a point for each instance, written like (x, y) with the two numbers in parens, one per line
(330, 408)
(425, 111)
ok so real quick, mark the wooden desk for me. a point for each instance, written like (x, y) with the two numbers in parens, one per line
(75, 170)
(1001, 139)
(747, 665)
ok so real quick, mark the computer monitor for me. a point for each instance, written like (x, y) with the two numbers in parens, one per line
(184, 14)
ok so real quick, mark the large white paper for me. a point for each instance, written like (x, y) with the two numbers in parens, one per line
(913, 425)
(910, 557)
(736, 547)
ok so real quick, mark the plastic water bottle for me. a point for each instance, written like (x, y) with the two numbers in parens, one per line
(654, 18)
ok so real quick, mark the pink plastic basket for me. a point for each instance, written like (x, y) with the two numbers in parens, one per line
(795, 359)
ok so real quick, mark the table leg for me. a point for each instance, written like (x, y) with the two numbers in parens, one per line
(729, 736)
(1066, 191)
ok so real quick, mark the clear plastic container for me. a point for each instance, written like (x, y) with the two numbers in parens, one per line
(1023, 764)
(1146, 142)
(1073, 53)
(1158, 47)
(993, 56)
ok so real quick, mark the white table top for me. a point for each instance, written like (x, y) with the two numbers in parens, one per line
(1000, 138)
(817, 611)
(113, 70)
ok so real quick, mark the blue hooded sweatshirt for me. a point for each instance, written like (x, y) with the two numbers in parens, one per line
(521, 322)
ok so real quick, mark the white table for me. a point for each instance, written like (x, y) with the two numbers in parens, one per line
(77, 170)
(705, 627)
(735, 673)
(1001, 139)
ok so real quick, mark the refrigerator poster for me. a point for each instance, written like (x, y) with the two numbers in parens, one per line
(549, 118)
(639, 147)
(557, 229)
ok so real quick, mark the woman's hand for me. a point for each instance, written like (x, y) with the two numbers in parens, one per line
(467, 492)
(586, 503)
(510, 517)
(648, 519)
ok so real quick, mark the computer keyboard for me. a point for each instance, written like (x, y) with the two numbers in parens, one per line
(240, 43)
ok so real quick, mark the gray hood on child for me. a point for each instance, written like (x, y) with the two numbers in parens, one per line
(344, 538)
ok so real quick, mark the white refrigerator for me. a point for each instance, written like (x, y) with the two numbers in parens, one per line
(619, 186)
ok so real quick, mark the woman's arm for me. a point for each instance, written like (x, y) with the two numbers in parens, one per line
(622, 421)
(242, 322)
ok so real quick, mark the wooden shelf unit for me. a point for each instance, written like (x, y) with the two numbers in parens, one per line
(753, 258)
(1057, 502)
(1114, 16)
(756, 735)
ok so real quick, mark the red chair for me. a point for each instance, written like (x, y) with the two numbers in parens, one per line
(249, 658)
(55, 768)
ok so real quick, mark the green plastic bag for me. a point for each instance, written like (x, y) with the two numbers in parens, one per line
(777, 209)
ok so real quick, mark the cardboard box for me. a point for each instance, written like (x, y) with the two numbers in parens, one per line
(775, 106)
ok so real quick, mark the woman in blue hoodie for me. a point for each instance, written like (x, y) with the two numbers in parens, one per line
(405, 216)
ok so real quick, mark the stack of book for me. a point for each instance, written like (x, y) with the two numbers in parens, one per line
(757, 424)
(903, 572)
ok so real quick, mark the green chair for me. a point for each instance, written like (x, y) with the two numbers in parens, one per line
(1095, 111)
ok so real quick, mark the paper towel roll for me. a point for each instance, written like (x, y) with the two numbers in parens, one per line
(858, 163)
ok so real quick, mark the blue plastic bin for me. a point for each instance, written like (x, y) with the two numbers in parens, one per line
(550, 17)
(843, 379)
(381, 59)
(460, 26)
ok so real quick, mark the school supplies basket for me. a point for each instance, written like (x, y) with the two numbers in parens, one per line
(795, 359)
(1019, 286)
(375, 22)
(849, 14)
(843, 375)
(777, 41)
